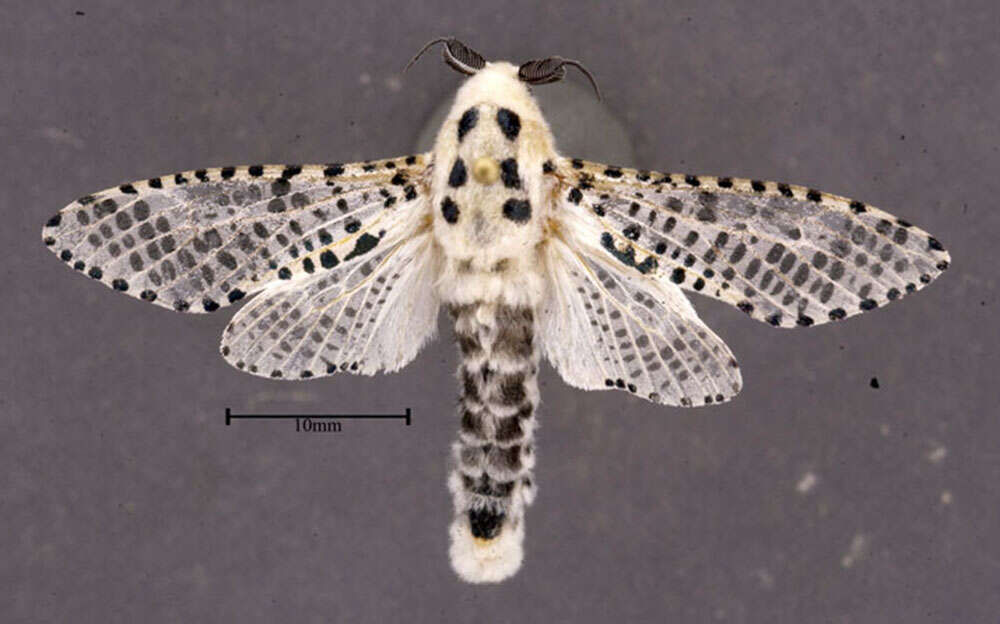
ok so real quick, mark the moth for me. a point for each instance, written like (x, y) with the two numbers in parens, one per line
(530, 252)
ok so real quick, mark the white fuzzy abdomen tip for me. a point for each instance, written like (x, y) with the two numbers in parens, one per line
(485, 561)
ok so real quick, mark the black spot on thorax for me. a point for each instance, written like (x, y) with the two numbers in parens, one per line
(517, 210)
(449, 210)
(467, 122)
(509, 174)
(509, 122)
(458, 174)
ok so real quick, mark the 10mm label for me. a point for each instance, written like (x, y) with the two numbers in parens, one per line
(311, 425)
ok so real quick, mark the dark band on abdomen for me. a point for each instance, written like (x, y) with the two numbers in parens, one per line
(495, 451)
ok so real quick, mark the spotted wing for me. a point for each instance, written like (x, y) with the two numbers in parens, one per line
(605, 325)
(200, 240)
(786, 255)
(370, 313)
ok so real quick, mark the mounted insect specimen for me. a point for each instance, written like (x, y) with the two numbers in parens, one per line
(530, 252)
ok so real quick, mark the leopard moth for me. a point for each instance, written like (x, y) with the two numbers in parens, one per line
(531, 253)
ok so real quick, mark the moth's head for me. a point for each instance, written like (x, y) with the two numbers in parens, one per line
(465, 60)
(497, 86)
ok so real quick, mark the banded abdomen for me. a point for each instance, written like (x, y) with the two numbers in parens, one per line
(492, 481)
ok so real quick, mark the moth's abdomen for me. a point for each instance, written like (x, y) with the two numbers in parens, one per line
(494, 455)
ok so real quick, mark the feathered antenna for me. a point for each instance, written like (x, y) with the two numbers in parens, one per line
(552, 69)
(459, 56)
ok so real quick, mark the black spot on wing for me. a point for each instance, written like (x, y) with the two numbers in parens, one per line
(627, 257)
(280, 187)
(365, 243)
(647, 265)
(328, 259)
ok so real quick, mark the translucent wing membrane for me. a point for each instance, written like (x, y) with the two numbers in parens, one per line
(341, 253)
(605, 325)
(199, 240)
(369, 314)
(786, 255)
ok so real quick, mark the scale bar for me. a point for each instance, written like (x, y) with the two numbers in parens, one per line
(230, 416)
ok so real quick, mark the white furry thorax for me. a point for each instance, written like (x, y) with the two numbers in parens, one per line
(492, 253)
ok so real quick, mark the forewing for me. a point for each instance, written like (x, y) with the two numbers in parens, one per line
(372, 313)
(606, 326)
(786, 255)
(200, 240)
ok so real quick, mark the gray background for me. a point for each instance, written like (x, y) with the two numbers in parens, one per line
(124, 498)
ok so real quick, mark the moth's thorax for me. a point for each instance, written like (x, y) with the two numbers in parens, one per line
(488, 188)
